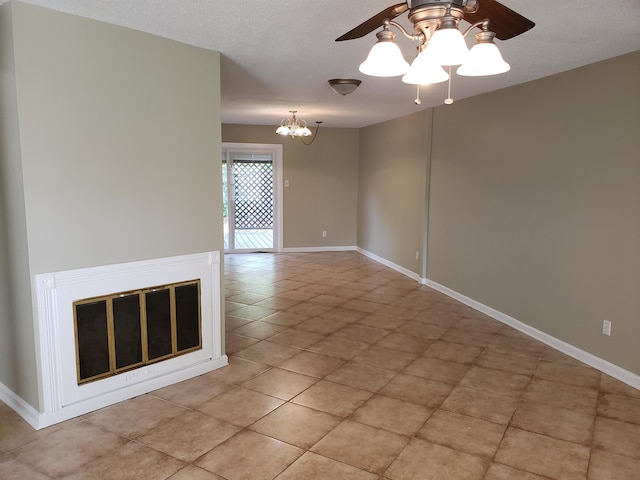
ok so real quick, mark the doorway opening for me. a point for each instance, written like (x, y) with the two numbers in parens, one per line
(252, 193)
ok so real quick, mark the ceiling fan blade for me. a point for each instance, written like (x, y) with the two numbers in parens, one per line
(503, 21)
(374, 22)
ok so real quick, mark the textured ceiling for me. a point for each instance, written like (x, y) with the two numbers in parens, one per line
(277, 55)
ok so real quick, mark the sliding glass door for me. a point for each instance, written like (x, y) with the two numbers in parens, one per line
(251, 197)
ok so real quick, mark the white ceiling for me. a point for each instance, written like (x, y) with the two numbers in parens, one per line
(277, 55)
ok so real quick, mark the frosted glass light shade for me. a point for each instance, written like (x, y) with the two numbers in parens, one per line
(425, 71)
(384, 60)
(283, 130)
(447, 47)
(344, 86)
(484, 59)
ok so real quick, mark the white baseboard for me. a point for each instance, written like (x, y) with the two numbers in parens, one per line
(391, 265)
(40, 420)
(18, 405)
(598, 363)
(89, 405)
(319, 249)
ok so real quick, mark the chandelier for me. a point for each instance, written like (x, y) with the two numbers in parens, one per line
(293, 127)
(440, 45)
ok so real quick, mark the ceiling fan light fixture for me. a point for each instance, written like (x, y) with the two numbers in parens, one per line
(484, 58)
(447, 46)
(385, 58)
(344, 86)
(425, 71)
(440, 40)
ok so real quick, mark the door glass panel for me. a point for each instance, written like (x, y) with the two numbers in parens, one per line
(248, 201)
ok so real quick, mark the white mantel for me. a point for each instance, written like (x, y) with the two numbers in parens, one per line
(62, 397)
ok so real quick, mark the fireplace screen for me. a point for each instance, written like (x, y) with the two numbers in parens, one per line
(126, 330)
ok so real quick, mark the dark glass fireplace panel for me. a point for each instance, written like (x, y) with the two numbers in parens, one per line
(126, 329)
(93, 339)
(187, 316)
(158, 305)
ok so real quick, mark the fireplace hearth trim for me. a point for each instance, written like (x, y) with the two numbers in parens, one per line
(61, 397)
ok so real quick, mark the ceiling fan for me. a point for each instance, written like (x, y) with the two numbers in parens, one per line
(425, 15)
(440, 43)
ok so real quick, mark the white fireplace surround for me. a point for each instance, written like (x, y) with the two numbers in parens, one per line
(62, 398)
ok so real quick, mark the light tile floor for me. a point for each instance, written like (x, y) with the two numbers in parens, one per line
(343, 369)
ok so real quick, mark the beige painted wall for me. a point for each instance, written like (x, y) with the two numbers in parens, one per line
(17, 351)
(120, 136)
(536, 212)
(323, 183)
(393, 174)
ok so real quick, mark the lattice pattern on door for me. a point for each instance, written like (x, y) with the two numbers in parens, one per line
(253, 194)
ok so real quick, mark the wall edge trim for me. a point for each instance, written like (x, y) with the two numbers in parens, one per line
(319, 249)
(20, 406)
(393, 266)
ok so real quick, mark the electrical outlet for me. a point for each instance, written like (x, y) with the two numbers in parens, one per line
(324, 234)
(606, 327)
(286, 183)
(417, 255)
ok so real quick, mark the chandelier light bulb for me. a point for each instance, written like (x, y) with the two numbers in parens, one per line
(283, 130)
(303, 132)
